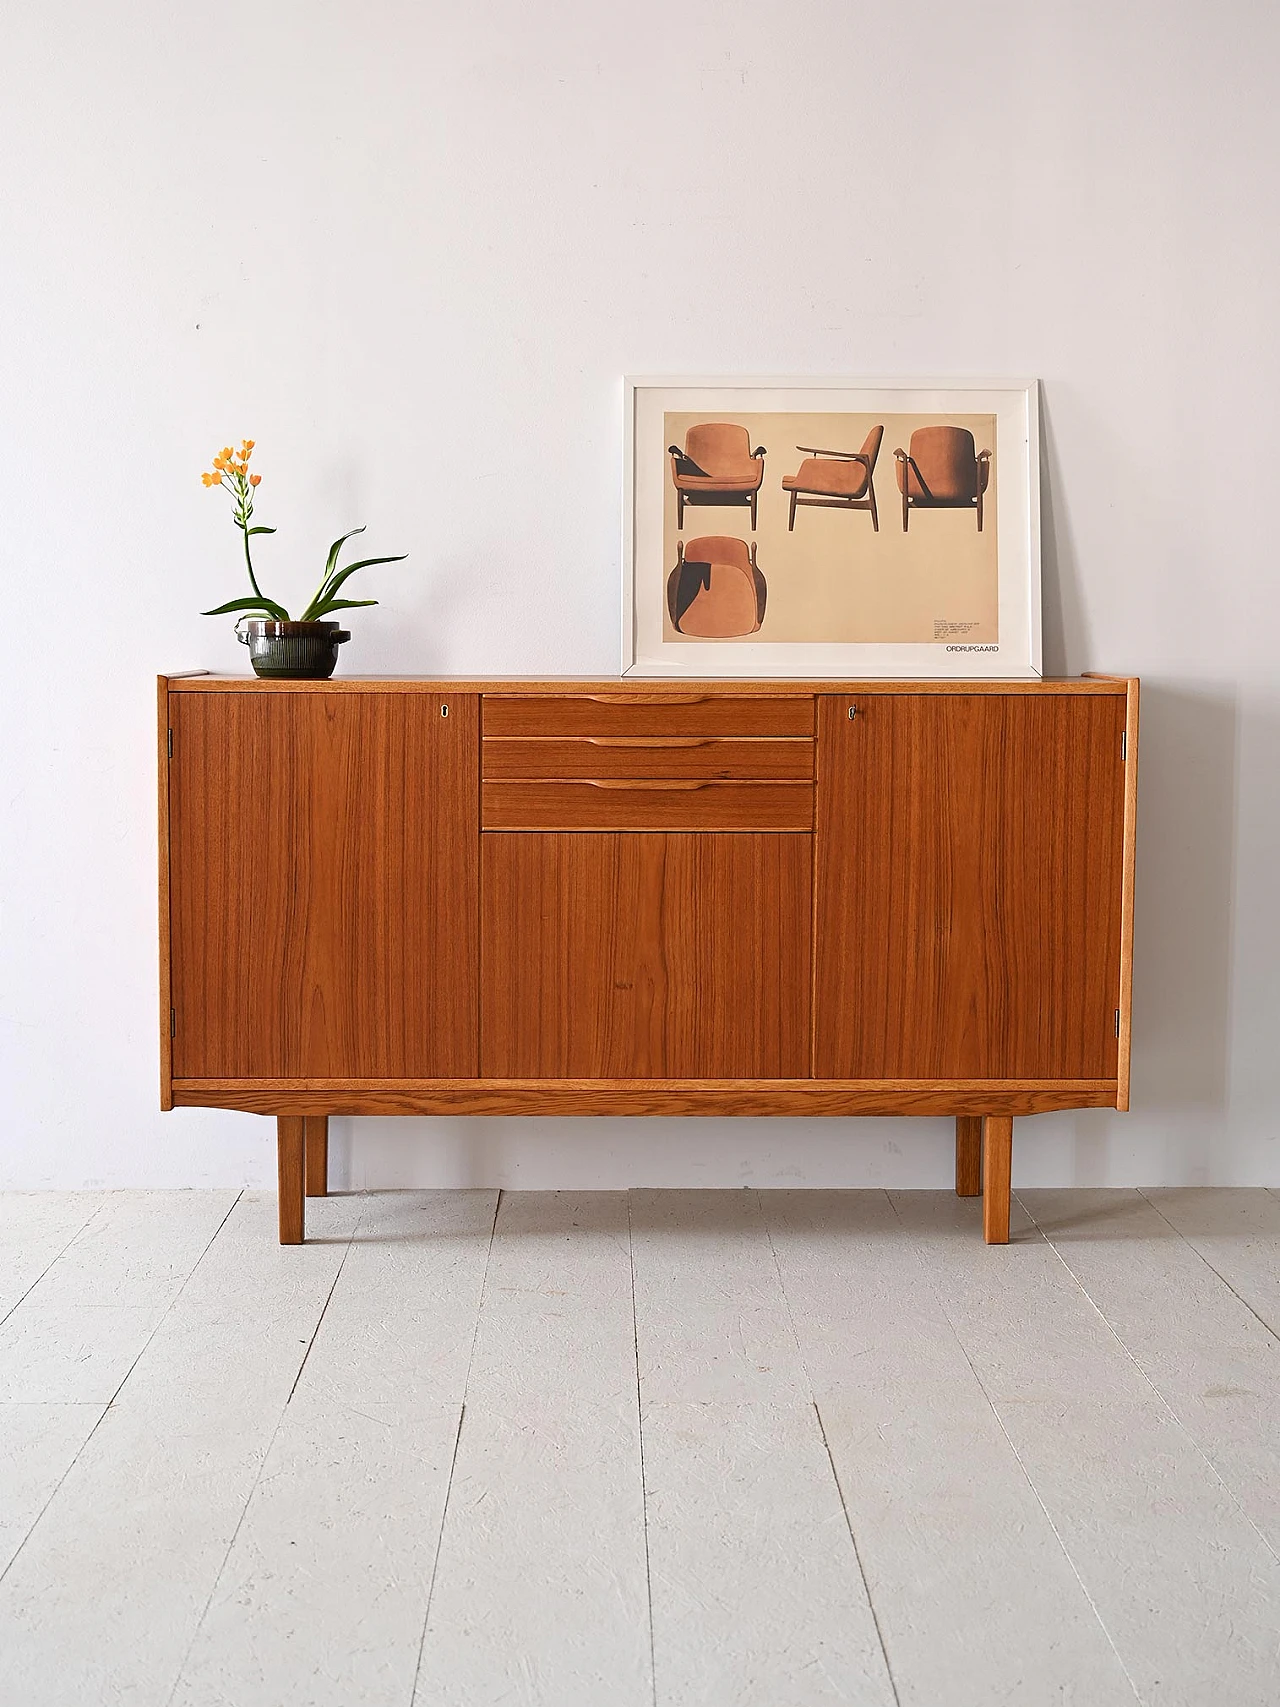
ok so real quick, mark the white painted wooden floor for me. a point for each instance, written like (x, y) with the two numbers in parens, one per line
(772, 1448)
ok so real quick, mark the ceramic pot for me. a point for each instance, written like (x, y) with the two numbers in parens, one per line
(293, 651)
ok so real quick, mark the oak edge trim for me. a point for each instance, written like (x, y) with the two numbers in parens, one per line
(1131, 686)
(644, 1096)
(1127, 879)
(657, 688)
(165, 918)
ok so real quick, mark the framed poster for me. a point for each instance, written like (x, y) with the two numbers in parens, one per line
(831, 527)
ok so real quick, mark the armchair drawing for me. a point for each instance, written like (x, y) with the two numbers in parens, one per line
(717, 467)
(716, 591)
(836, 479)
(942, 471)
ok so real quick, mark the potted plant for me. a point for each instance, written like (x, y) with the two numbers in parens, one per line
(278, 646)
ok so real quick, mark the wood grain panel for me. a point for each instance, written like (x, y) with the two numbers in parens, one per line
(630, 805)
(638, 956)
(968, 886)
(325, 907)
(554, 758)
(625, 712)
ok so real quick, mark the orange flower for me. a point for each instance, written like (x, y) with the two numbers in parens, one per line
(255, 480)
(235, 464)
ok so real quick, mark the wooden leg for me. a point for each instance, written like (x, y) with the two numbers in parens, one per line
(979, 512)
(997, 1154)
(875, 518)
(316, 1131)
(290, 1151)
(753, 512)
(968, 1155)
(791, 519)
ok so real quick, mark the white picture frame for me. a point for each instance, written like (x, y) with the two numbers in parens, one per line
(996, 633)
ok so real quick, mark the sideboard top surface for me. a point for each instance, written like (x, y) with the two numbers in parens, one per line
(643, 687)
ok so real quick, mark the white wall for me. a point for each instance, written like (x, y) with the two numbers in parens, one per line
(404, 247)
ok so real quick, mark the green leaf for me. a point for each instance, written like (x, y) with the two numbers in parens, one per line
(322, 607)
(329, 586)
(331, 583)
(343, 605)
(366, 561)
(261, 530)
(331, 561)
(268, 605)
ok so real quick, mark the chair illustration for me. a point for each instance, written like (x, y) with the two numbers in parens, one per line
(941, 471)
(717, 467)
(715, 591)
(836, 479)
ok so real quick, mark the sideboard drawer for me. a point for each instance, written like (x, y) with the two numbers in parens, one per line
(641, 714)
(554, 758)
(602, 804)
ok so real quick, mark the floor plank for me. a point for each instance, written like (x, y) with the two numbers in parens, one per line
(104, 1599)
(79, 1328)
(1237, 1231)
(35, 1228)
(558, 1315)
(952, 1539)
(1205, 1352)
(1038, 1448)
(1184, 1584)
(399, 1329)
(321, 1601)
(322, 1598)
(711, 1319)
(71, 1354)
(38, 1445)
(540, 1592)
(757, 1594)
(541, 1586)
(137, 1251)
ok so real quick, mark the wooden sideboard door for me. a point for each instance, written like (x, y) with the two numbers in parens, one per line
(324, 899)
(646, 955)
(968, 875)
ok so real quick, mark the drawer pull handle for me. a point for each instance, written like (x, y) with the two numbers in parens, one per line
(657, 741)
(646, 699)
(635, 782)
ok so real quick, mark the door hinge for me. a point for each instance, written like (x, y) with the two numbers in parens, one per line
(1117, 1022)
(1124, 746)
(171, 743)
(173, 1023)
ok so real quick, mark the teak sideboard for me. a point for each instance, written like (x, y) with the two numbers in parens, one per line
(661, 897)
